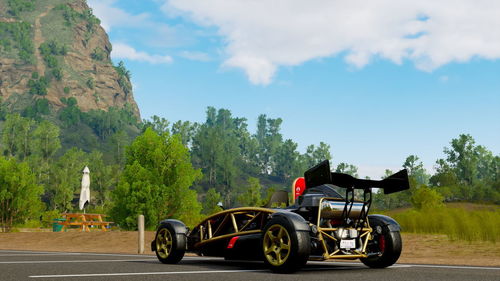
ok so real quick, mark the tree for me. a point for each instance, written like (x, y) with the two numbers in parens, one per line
(347, 169)
(416, 169)
(46, 140)
(269, 139)
(119, 140)
(463, 158)
(186, 130)
(248, 146)
(37, 110)
(103, 178)
(19, 194)
(44, 145)
(391, 201)
(469, 172)
(315, 155)
(216, 151)
(210, 204)
(71, 114)
(65, 181)
(207, 148)
(25, 136)
(159, 124)
(252, 196)
(444, 176)
(155, 182)
(286, 160)
(16, 135)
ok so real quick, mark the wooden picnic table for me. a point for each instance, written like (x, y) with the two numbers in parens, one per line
(84, 220)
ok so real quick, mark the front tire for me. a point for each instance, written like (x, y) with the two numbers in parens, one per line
(170, 245)
(285, 249)
(388, 244)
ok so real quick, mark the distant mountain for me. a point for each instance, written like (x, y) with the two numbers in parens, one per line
(55, 52)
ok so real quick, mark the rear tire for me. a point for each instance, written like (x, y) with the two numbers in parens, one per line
(285, 249)
(170, 246)
(388, 244)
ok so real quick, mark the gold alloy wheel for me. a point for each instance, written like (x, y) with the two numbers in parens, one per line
(164, 243)
(276, 245)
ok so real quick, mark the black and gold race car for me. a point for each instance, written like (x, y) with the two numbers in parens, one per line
(321, 225)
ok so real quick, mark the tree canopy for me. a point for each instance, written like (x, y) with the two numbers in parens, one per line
(155, 182)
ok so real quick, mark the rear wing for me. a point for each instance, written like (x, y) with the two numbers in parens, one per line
(321, 174)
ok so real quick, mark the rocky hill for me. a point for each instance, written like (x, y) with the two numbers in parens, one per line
(53, 51)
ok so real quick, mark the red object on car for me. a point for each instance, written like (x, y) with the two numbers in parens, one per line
(299, 185)
(232, 242)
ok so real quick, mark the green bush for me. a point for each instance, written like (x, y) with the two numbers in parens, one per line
(30, 223)
(51, 61)
(18, 6)
(97, 54)
(123, 77)
(106, 123)
(18, 35)
(49, 216)
(53, 48)
(425, 197)
(57, 73)
(50, 51)
(69, 14)
(71, 114)
(19, 194)
(38, 86)
(90, 83)
(37, 110)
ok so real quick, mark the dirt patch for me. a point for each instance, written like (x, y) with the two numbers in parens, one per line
(95, 242)
(419, 249)
(38, 39)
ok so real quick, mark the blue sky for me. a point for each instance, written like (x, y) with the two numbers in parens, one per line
(377, 90)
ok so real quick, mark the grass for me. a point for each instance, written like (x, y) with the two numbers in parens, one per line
(3, 9)
(40, 7)
(54, 28)
(457, 223)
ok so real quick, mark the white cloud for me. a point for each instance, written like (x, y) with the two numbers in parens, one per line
(111, 16)
(196, 56)
(124, 51)
(150, 32)
(262, 35)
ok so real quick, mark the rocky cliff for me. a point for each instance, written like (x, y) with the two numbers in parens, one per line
(57, 50)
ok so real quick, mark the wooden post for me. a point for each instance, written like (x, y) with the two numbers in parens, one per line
(140, 225)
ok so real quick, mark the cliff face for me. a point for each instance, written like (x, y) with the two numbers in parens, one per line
(56, 50)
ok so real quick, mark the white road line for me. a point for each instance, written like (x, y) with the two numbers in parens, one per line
(147, 273)
(76, 253)
(454, 266)
(30, 255)
(36, 252)
(238, 271)
(90, 260)
(68, 261)
(42, 253)
(413, 265)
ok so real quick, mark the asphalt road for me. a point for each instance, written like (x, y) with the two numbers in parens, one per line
(25, 265)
